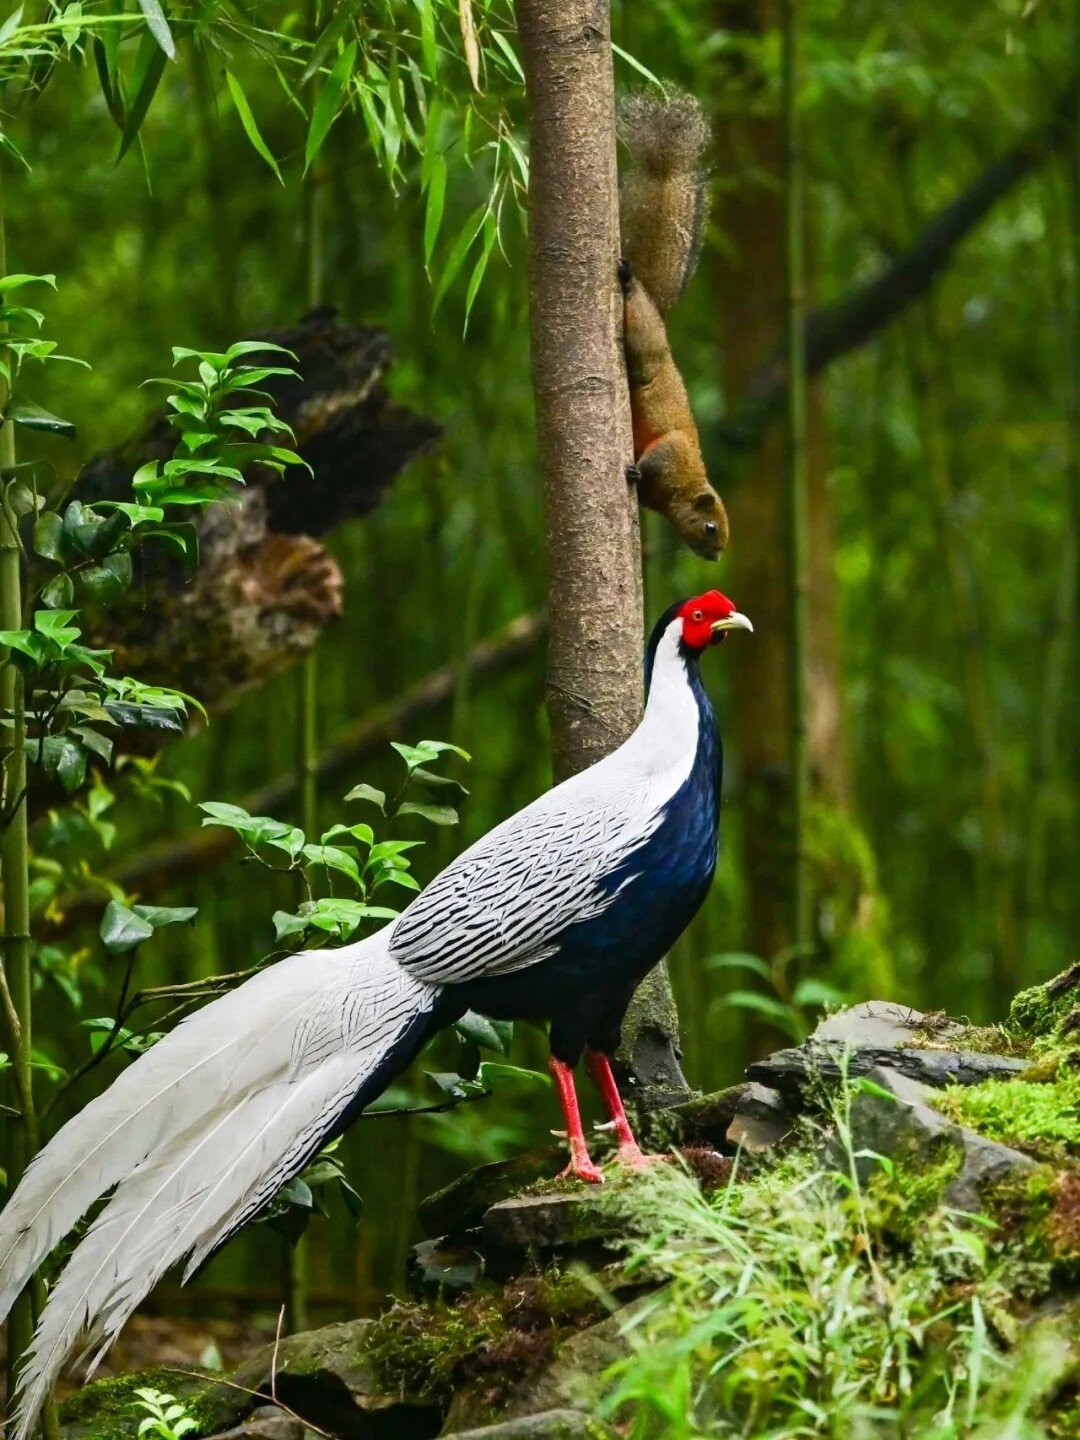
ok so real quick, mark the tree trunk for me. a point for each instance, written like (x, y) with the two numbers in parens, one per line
(594, 684)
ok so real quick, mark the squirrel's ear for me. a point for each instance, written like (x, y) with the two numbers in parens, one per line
(707, 500)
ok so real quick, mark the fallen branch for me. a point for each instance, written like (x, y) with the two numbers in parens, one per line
(834, 330)
(160, 865)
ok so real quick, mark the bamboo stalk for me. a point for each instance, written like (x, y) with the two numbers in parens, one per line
(797, 523)
(1060, 637)
(295, 1259)
(13, 868)
(21, 1138)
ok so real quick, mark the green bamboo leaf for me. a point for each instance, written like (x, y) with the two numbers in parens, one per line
(149, 67)
(247, 119)
(433, 210)
(328, 103)
(491, 233)
(158, 26)
(638, 66)
(456, 258)
(324, 45)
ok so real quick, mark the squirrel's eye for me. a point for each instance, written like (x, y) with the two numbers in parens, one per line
(697, 616)
(710, 528)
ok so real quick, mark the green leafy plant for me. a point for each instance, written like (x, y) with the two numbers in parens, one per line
(348, 857)
(165, 1417)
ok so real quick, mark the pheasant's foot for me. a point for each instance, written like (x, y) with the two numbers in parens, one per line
(582, 1168)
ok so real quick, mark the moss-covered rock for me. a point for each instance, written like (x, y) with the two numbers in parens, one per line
(1041, 1010)
(108, 1409)
(1038, 1116)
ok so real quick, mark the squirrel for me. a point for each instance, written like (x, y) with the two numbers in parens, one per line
(662, 211)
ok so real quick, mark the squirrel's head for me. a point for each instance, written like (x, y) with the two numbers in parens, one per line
(701, 521)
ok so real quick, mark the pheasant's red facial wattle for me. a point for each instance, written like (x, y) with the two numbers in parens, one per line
(707, 618)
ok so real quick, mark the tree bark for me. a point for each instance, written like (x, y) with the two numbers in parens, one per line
(594, 683)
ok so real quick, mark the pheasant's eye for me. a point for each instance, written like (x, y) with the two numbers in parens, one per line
(697, 616)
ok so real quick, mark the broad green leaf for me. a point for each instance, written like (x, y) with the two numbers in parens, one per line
(247, 119)
(158, 915)
(492, 1072)
(36, 417)
(58, 592)
(48, 535)
(65, 758)
(16, 282)
(286, 924)
(436, 814)
(368, 792)
(122, 929)
(479, 1030)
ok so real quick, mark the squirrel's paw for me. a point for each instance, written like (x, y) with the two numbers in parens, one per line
(633, 475)
(626, 275)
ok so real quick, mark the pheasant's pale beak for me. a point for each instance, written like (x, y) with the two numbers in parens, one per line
(734, 621)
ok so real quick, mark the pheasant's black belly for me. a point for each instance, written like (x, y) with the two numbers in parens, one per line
(584, 986)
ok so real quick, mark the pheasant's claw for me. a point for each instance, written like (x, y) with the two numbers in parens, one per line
(559, 1134)
(606, 1125)
(582, 1169)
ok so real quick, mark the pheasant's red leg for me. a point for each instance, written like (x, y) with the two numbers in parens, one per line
(630, 1152)
(580, 1163)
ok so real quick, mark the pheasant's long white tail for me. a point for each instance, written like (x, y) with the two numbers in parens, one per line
(199, 1133)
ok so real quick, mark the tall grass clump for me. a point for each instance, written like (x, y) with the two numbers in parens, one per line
(791, 1312)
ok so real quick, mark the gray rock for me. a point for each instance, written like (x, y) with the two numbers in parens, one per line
(266, 1422)
(875, 1023)
(761, 1119)
(902, 1122)
(701, 1120)
(560, 1424)
(460, 1206)
(565, 1221)
(791, 1071)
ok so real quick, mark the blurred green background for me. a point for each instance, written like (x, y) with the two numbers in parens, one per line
(943, 483)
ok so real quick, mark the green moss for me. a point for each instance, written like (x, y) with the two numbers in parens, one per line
(1040, 1117)
(421, 1349)
(107, 1409)
(1042, 1009)
(914, 1187)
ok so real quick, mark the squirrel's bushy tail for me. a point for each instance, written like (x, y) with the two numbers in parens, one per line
(663, 197)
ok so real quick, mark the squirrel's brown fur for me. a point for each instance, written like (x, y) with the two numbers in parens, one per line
(662, 206)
